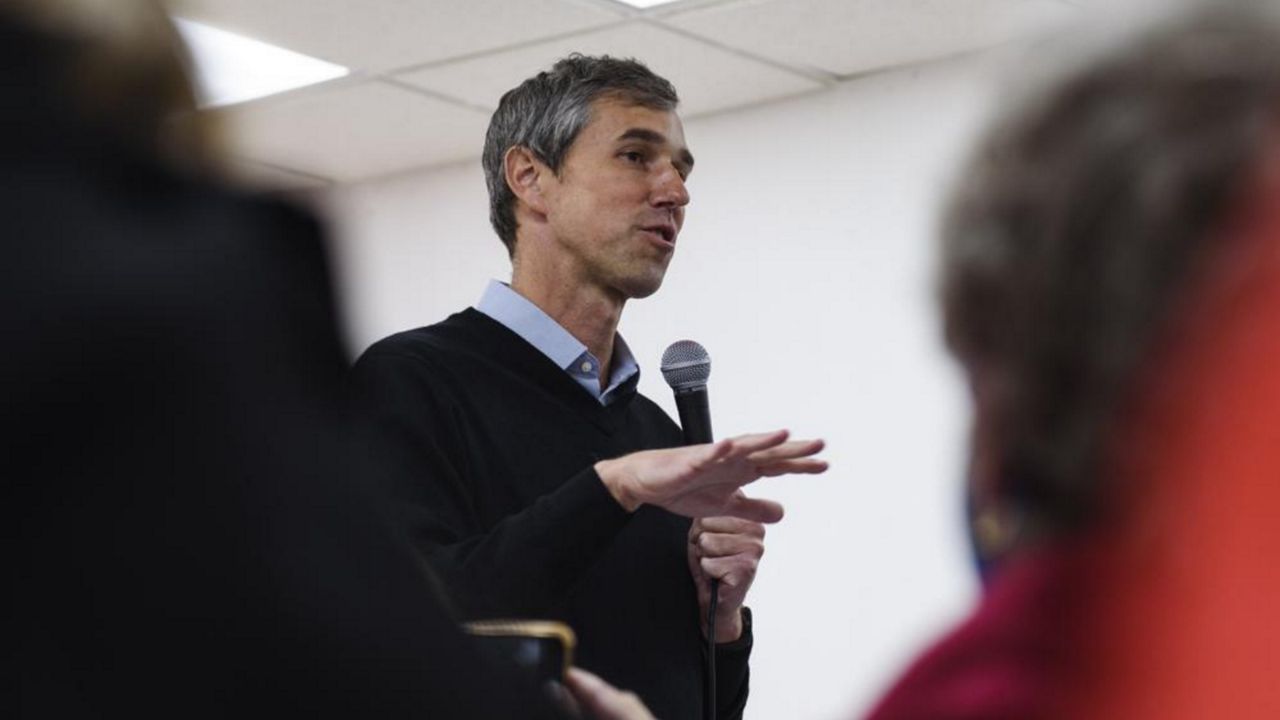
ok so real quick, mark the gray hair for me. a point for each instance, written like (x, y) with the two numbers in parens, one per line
(546, 112)
(1079, 224)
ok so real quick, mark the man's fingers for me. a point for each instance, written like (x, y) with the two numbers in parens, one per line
(755, 509)
(732, 571)
(726, 544)
(787, 451)
(728, 525)
(709, 455)
(720, 450)
(744, 445)
(803, 466)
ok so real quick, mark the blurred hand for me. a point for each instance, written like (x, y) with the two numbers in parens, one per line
(706, 480)
(727, 549)
(601, 700)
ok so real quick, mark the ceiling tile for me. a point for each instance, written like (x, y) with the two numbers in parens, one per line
(378, 35)
(707, 78)
(354, 131)
(845, 37)
(254, 174)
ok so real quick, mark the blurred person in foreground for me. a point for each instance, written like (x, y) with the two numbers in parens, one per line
(1110, 280)
(538, 481)
(186, 535)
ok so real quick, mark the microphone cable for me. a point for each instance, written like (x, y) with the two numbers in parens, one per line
(711, 648)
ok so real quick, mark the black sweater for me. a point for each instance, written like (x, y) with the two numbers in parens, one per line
(185, 533)
(497, 446)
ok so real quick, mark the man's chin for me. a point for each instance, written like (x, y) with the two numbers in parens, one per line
(641, 287)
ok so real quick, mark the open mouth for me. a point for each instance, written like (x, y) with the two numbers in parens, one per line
(666, 232)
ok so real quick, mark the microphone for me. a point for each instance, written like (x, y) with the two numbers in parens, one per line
(686, 367)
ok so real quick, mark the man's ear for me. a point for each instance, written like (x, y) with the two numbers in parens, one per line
(525, 175)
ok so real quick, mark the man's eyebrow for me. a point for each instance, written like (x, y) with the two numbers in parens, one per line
(657, 138)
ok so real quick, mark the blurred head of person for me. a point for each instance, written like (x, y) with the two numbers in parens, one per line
(98, 78)
(1068, 248)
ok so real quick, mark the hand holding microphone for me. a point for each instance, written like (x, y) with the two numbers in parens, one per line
(721, 549)
(704, 480)
(724, 554)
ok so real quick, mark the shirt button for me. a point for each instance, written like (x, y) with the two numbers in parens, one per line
(586, 367)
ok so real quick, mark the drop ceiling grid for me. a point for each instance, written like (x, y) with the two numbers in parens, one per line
(858, 36)
(375, 36)
(708, 78)
(454, 58)
(356, 131)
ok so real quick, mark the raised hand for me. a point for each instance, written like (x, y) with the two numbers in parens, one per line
(706, 480)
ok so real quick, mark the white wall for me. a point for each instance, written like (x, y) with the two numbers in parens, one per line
(805, 268)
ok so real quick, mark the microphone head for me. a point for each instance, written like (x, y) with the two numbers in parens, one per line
(686, 366)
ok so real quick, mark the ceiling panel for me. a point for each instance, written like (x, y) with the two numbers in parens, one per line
(846, 37)
(412, 57)
(256, 175)
(378, 35)
(354, 131)
(707, 78)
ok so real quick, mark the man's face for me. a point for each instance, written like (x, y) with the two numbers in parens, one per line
(618, 202)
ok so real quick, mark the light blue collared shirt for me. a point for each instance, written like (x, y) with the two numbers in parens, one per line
(537, 328)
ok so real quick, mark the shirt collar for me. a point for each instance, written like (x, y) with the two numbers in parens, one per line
(537, 328)
(625, 370)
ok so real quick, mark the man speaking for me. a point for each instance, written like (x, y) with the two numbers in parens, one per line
(535, 481)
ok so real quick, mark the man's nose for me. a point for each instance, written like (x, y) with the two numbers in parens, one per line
(669, 189)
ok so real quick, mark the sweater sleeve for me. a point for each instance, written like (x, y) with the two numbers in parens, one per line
(733, 672)
(525, 563)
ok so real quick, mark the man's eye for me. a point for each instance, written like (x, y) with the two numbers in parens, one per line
(633, 156)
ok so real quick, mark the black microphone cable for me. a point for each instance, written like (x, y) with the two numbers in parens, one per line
(711, 648)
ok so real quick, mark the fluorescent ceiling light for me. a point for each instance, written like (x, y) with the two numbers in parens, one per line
(232, 68)
(645, 3)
